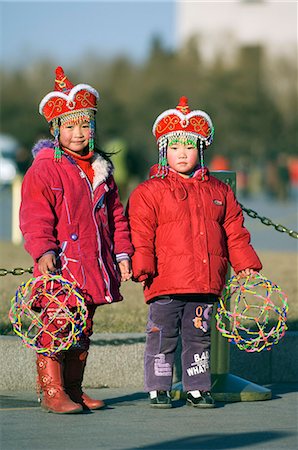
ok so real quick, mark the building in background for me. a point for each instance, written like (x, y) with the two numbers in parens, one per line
(221, 27)
(261, 36)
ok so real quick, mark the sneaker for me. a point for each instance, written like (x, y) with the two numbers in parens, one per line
(205, 400)
(160, 399)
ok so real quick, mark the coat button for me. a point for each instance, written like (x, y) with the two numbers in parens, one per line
(204, 261)
(74, 236)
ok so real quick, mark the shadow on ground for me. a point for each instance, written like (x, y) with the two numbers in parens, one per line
(8, 401)
(221, 441)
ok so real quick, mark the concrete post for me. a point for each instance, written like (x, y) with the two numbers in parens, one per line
(16, 235)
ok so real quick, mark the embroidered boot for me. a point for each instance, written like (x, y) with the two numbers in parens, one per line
(75, 362)
(50, 378)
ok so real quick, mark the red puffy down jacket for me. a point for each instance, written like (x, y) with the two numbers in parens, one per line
(185, 232)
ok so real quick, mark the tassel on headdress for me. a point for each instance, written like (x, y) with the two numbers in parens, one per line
(58, 152)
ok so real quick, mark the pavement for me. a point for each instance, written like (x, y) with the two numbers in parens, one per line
(128, 422)
(280, 212)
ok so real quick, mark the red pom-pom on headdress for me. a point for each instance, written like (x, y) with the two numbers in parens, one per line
(183, 105)
(62, 83)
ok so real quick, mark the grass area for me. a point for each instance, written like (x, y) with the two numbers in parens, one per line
(131, 314)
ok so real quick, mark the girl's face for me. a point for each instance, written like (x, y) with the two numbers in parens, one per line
(75, 137)
(183, 158)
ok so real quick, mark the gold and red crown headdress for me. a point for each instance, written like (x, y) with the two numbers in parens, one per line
(69, 104)
(67, 98)
(183, 120)
(180, 124)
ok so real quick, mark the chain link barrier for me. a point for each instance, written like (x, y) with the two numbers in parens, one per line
(250, 212)
(268, 222)
(16, 271)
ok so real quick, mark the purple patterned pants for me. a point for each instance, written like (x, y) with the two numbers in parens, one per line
(168, 317)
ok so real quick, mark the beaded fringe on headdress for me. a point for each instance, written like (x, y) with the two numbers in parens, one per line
(181, 137)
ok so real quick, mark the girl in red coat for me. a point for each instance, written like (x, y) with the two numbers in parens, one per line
(73, 223)
(186, 227)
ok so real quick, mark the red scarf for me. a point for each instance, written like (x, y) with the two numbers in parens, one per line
(84, 162)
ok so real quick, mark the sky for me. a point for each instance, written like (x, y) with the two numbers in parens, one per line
(66, 31)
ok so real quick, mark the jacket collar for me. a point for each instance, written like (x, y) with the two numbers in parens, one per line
(201, 174)
(102, 167)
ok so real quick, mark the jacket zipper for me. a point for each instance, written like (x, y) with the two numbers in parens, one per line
(108, 297)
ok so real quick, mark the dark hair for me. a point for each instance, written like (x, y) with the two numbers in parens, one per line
(105, 155)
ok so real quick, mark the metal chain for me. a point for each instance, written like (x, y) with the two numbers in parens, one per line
(250, 212)
(268, 222)
(16, 271)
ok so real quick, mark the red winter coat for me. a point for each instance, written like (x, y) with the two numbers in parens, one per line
(185, 232)
(85, 226)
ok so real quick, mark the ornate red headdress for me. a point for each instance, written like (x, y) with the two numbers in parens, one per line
(181, 124)
(69, 104)
(67, 98)
(182, 119)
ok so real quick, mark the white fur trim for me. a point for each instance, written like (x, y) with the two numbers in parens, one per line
(102, 170)
(70, 96)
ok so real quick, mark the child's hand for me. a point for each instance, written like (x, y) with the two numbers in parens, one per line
(245, 273)
(145, 280)
(47, 263)
(125, 269)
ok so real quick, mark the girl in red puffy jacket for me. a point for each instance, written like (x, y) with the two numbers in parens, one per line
(74, 224)
(186, 227)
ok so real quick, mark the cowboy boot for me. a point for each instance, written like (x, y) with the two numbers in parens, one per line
(50, 378)
(74, 366)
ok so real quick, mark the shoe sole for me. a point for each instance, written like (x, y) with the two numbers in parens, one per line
(59, 412)
(202, 405)
(162, 406)
(74, 411)
(96, 408)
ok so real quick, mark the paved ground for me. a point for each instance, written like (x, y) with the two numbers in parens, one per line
(129, 423)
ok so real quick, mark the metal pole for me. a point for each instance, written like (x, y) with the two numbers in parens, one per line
(220, 349)
(225, 386)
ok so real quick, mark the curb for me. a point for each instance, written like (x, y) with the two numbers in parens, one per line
(116, 360)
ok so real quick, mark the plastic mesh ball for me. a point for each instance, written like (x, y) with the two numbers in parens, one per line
(252, 313)
(48, 313)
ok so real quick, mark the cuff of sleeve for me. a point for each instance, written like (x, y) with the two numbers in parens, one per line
(143, 277)
(49, 252)
(122, 257)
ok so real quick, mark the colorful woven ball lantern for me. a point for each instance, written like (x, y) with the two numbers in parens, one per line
(252, 313)
(48, 313)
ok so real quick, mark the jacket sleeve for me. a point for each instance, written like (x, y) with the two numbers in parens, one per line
(142, 220)
(241, 253)
(37, 216)
(118, 221)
